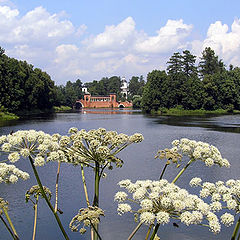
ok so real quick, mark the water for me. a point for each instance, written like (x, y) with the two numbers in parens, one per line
(139, 163)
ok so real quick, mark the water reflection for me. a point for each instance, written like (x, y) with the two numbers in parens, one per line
(226, 123)
(108, 111)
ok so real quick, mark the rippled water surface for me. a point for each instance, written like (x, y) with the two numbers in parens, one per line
(139, 163)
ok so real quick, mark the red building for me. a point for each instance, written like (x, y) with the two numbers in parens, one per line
(101, 102)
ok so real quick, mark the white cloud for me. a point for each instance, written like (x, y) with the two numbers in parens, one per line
(168, 37)
(81, 30)
(67, 52)
(114, 37)
(224, 41)
(36, 27)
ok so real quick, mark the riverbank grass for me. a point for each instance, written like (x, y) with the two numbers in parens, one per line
(62, 108)
(182, 112)
(5, 116)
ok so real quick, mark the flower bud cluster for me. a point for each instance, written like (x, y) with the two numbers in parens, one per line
(202, 151)
(35, 191)
(87, 217)
(10, 173)
(35, 144)
(223, 196)
(97, 145)
(161, 201)
(3, 204)
(170, 154)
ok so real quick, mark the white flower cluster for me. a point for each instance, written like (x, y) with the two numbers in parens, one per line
(96, 145)
(205, 152)
(10, 173)
(223, 196)
(160, 201)
(37, 144)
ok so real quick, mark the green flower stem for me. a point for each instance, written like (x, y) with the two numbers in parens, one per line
(96, 186)
(35, 219)
(163, 171)
(8, 228)
(10, 223)
(134, 231)
(182, 171)
(234, 235)
(121, 148)
(85, 186)
(57, 180)
(96, 194)
(95, 230)
(154, 231)
(46, 199)
(86, 196)
(148, 232)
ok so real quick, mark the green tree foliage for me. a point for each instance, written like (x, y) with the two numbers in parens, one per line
(181, 70)
(136, 85)
(183, 87)
(209, 63)
(22, 87)
(188, 64)
(136, 101)
(105, 86)
(153, 92)
(68, 94)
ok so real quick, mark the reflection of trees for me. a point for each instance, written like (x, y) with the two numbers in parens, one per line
(203, 122)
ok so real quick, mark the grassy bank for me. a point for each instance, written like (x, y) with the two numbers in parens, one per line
(182, 112)
(61, 108)
(6, 116)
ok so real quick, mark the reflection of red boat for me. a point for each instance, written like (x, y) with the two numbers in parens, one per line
(101, 102)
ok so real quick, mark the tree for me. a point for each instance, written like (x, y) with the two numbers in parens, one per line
(176, 79)
(136, 85)
(154, 91)
(188, 63)
(209, 63)
(175, 64)
(136, 101)
(192, 93)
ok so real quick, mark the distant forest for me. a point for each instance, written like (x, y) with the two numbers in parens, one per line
(208, 85)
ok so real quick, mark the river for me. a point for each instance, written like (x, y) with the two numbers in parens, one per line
(139, 163)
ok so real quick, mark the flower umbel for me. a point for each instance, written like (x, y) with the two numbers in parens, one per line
(160, 201)
(195, 150)
(87, 217)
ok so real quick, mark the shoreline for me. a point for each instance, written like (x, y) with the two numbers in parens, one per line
(199, 112)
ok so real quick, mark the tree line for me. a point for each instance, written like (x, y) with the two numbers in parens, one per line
(185, 84)
(208, 85)
(23, 87)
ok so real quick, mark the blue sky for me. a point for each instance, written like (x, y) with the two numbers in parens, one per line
(94, 39)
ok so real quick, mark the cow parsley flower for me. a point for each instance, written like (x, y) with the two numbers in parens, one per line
(227, 219)
(13, 157)
(123, 208)
(10, 173)
(195, 182)
(86, 217)
(202, 151)
(162, 218)
(159, 201)
(120, 196)
(147, 218)
(223, 196)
